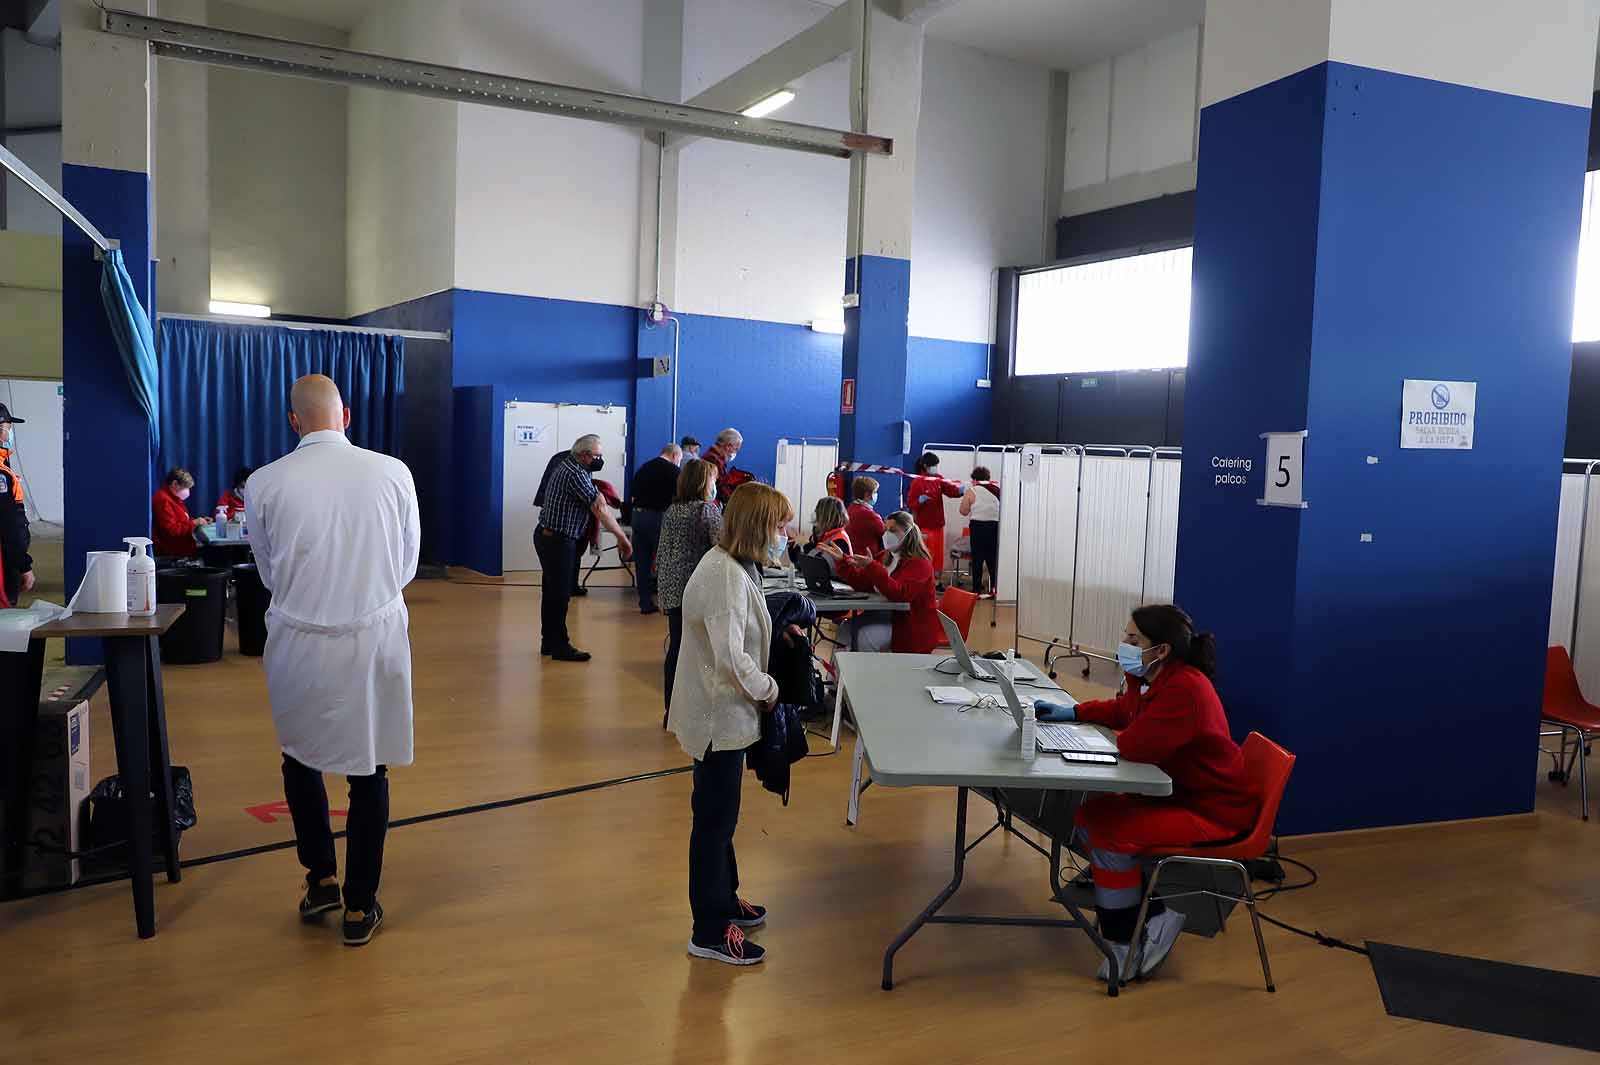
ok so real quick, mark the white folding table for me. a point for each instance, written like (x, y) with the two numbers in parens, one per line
(914, 742)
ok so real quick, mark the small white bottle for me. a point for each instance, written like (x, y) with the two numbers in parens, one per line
(141, 579)
(220, 523)
(1030, 745)
(244, 524)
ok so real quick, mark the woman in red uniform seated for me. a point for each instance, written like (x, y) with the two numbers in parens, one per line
(828, 527)
(173, 528)
(1169, 716)
(233, 498)
(902, 574)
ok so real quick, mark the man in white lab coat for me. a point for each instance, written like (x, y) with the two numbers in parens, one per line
(335, 533)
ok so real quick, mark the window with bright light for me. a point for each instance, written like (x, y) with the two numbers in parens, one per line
(1119, 314)
(1586, 308)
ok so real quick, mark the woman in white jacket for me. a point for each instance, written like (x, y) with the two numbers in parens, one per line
(720, 687)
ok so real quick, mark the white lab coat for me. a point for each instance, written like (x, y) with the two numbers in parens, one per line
(722, 662)
(335, 534)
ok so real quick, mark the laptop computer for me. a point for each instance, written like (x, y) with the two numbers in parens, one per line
(819, 579)
(1072, 741)
(979, 668)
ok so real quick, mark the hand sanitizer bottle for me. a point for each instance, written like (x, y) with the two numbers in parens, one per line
(141, 579)
(1030, 745)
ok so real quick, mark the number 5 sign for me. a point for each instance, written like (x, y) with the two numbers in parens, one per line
(1285, 452)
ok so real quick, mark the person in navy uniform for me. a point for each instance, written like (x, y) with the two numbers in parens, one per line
(15, 563)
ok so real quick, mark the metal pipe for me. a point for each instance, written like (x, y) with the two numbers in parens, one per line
(172, 39)
(677, 339)
(865, 50)
(38, 184)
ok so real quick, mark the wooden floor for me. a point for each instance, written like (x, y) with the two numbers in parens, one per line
(554, 932)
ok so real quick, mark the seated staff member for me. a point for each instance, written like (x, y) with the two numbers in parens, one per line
(233, 498)
(981, 507)
(926, 495)
(1169, 715)
(717, 699)
(902, 574)
(828, 527)
(865, 527)
(172, 527)
(692, 526)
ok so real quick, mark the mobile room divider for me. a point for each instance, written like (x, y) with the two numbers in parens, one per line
(801, 472)
(1097, 535)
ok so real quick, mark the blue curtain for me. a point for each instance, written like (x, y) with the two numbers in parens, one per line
(130, 327)
(225, 394)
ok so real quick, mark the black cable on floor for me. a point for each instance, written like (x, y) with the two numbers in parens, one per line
(1327, 941)
(460, 811)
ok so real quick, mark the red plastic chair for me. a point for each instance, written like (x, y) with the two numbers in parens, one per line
(1267, 767)
(1567, 709)
(957, 604)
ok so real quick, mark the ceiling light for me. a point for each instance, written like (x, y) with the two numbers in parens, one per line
(241, 310)
(824, 325)
(765, 106)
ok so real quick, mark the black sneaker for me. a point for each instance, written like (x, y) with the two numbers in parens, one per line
(570, 654)
(749, 915)
(579, 593)
(733, 949)
(320, 898)
(359, 926)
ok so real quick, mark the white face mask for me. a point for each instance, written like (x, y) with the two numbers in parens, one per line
(892, 541)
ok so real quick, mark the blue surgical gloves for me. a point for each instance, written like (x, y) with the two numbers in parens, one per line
(1047, 710)
(922, 500)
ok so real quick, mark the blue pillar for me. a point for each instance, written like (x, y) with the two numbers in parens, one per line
(1357, 227)
(875, 337)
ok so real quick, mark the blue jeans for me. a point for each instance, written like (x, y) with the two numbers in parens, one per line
(646, 535)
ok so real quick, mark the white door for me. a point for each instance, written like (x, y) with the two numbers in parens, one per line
(535, 433)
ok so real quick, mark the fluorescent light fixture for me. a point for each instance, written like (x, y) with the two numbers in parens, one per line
(241, 310)
(824, 325)
(765, 106)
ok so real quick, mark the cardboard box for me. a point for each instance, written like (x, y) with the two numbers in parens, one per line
(59, 784)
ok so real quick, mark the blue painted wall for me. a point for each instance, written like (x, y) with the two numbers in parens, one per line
(875, 353)
(479, 444)
(943, 399)
(107, 453)
(1409, 229)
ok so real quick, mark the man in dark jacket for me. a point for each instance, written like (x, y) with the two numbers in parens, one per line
(654, 485)
(15, 564)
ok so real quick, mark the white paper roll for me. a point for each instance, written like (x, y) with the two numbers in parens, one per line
(105, 584)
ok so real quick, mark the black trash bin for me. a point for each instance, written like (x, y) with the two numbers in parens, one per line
(250, 600)
(203, 592)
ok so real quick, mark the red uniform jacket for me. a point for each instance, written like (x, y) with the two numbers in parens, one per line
(917, 631)
(173, 528)
(865, 529)
(233, 501)
(930, 515)
(1178, 725)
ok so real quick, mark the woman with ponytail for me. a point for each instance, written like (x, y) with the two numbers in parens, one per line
(1169, 716)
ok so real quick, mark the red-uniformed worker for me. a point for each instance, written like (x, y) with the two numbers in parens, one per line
(173, 528)
(925, 498)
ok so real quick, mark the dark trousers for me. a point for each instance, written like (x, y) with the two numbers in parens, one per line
(646, 535)
(13, 584)
(713, 871)
(366, 825)
(985, 552)
(558, 557)
(578, 548)
(670, 667)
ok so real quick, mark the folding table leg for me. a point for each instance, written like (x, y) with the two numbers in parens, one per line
(938, 900)
(161, 760)
(128, 689)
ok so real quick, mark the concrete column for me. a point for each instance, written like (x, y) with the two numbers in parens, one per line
(1386, 192)
(887, 100)
(105, 174)
(654, 420)
(181, 168)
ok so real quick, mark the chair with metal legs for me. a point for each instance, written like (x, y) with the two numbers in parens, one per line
(1267, 766)
(1572, 716)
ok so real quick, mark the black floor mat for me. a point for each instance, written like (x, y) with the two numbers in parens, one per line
(1488, 996)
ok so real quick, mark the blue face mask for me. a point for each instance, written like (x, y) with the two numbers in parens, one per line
(777, 549)
(872, 500)
(1131, 659)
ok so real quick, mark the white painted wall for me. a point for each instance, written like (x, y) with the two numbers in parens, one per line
(979, 188)
(1131, 125)
(278, 148)
(32, 97)
(549, 206)
(401, 195)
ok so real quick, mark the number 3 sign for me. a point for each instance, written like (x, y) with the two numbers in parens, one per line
(1285, 452)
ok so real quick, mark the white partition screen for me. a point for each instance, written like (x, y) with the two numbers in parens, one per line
(1047, 545)
(801, 473)
(1005, 463)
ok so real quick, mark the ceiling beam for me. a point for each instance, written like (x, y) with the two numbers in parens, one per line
(201, 44)
(831, 37)
(918, 12)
